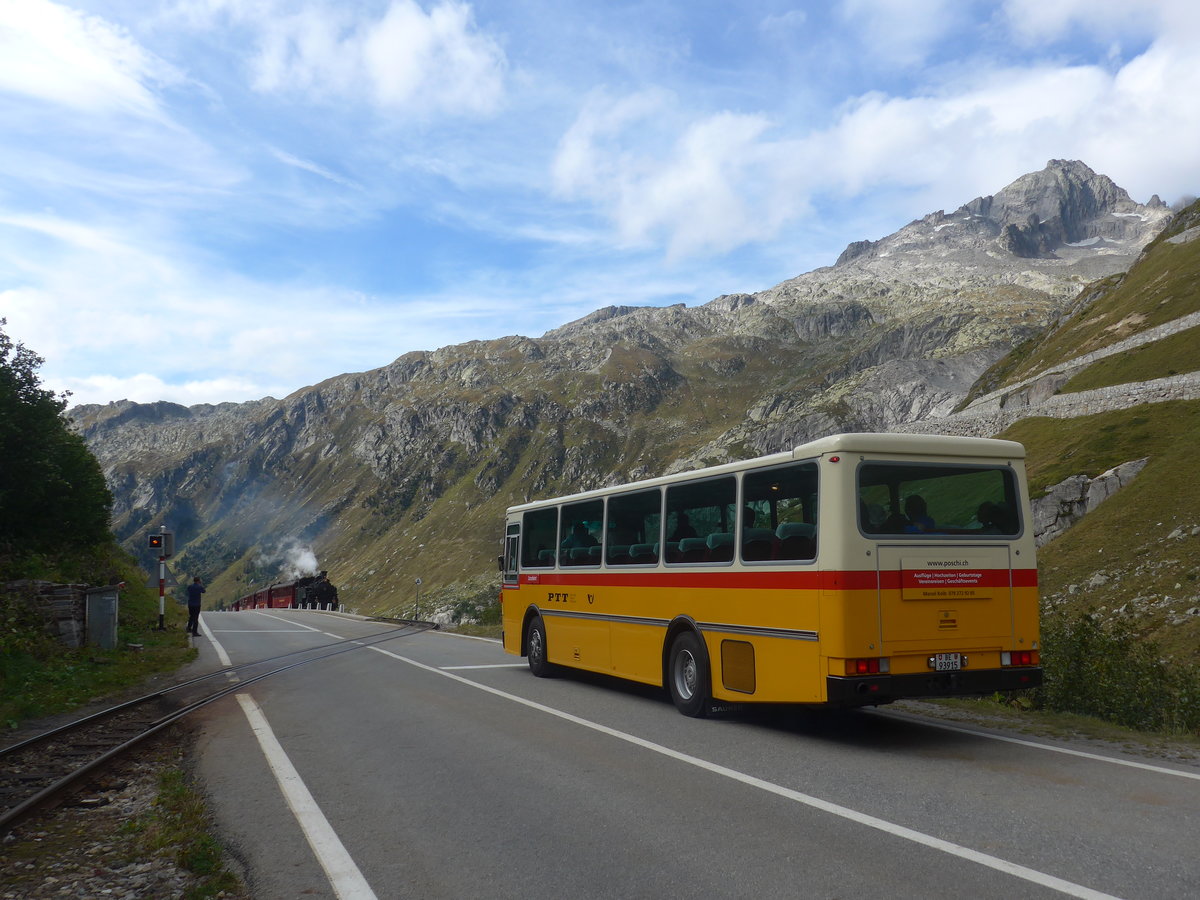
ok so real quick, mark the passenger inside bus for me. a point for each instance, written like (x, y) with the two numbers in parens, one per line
(683, 529)
(919, 521)
(579, 537)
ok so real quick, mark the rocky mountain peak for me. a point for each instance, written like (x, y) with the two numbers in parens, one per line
(1066, 211)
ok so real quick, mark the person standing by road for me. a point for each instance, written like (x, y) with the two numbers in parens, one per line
(195, 589)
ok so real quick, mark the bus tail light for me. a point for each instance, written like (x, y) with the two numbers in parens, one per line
(868, 666)
(1020, 658)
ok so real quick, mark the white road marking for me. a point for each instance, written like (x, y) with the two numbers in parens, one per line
(221, 654)
(496, 666)
(290, 622)
(468, 637)
(1161, 770)
(347, 881)
(918, 837)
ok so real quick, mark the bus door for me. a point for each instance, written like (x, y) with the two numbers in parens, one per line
(509, 565)
(508, 561)
(944, 596)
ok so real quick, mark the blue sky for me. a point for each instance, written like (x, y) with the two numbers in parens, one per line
(218, 200)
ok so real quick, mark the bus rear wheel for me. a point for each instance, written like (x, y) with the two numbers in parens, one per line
(535, 640)
(687, 675)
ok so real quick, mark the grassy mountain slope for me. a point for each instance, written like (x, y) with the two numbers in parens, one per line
(1136, 558)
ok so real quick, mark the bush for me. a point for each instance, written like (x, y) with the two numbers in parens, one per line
(477, 602)
(1105, 670)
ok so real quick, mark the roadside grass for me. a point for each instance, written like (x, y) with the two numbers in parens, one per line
(178, 825)
(1015, 713)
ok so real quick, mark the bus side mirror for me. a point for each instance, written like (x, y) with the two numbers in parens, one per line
(500, 562)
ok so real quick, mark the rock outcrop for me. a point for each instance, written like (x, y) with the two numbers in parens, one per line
(1070, 500)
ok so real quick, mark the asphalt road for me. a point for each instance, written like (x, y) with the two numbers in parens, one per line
(436, 766)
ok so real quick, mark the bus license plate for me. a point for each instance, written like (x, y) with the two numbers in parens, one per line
(947, 662)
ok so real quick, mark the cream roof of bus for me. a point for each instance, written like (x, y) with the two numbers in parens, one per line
(920, 444)
(863, 442)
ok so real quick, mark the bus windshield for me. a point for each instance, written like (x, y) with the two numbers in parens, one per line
(937, 499)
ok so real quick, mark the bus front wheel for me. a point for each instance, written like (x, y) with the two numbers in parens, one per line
(687, 675)
(539, 665)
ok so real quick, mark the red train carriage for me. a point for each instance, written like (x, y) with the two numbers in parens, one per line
(309, 592)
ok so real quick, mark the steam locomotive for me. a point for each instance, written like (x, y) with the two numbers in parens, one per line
(303, 593)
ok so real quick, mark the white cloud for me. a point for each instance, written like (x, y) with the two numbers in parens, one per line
(700, 189)
(308, 166)
(901, 32)
(120, 313)
(1037, 21)
(407, 61)
(209, 179)
(65, 57)
(783, 25)
(144, 387)
(712, 182)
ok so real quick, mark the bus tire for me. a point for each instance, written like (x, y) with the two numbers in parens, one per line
(687, 675)
(535, 641)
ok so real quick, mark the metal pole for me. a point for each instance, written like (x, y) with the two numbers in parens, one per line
(162, 591)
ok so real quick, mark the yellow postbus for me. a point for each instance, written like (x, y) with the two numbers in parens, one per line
(856, 569)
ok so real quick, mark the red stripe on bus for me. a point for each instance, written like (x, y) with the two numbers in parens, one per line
(1025, 578)
(794, 580)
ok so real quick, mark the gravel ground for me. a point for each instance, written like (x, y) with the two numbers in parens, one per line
(85, 848)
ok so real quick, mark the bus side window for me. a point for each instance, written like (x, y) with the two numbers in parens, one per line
(783, 503)
(700, 519)
(539, 538)
(634, 528)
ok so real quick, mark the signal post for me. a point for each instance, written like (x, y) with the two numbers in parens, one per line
(162, 543)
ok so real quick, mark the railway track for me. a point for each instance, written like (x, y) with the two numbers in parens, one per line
(45, 769)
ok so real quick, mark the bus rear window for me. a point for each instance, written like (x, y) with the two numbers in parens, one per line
(930, 498)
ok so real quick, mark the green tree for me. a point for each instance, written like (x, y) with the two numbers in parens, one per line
(53, 497)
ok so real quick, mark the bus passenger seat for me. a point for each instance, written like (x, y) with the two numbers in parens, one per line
(693, 550)
(618, 554)
(797, 540)
(643, 554)
(720, 546)
(758, 543)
